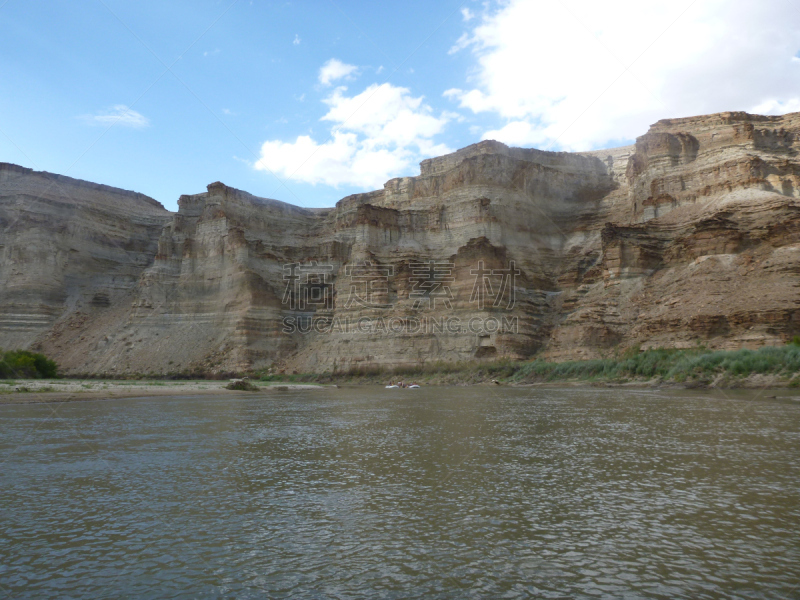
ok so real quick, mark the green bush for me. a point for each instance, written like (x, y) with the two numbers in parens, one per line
(22, 364)
(669, 365)
(696, 365)
(242, 385)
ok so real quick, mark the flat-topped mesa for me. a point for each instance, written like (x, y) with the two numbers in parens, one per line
(15, 178)
(10, 171)
(218, 192)
(774, 134)
(440, 164)
(230, 207)
(685, 161)
(68, 246)
(559, 160)
(354, 200)
(208, 217)
(723, 119)
(555, 181)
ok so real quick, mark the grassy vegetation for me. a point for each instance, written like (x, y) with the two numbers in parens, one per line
(22, 364)
(698, 366)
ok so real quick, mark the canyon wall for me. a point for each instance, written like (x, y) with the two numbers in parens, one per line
(69, 251)
(690, 236)
(710, 251)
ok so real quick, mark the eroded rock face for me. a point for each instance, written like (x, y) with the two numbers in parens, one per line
(71, 252)
(690, 236)
(710, 251)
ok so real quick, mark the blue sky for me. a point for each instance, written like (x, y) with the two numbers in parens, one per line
(307, 102)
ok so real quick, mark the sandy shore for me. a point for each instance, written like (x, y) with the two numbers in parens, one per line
(37, 391)
(43, 391)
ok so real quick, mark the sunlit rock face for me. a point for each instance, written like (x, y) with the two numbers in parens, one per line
(709, 253)
(71, 252)
(690, 236)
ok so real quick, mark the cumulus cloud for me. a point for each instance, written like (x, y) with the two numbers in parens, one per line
(377, 134)
(118, 114)
(577, 74)
(296, 40)
(334, 69)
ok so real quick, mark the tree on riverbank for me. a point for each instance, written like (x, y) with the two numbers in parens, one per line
(22, 364)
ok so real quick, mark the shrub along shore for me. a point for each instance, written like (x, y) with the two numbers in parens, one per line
(696, 367)
(774, 366)
(23, 364)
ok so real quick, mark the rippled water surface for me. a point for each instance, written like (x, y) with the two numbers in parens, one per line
(431, 493)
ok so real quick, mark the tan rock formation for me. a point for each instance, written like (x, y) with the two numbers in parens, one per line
(690, 236)
(70, 251)
(710, 251)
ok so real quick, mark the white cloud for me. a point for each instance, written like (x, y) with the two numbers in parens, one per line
(464, 41)
(515, 133)
(776, 107)
(297, 40)
(467, 14)
(211, 52)
(453, 116)
(578, 75)
(119, 114)
(334, 69)
(376, 135)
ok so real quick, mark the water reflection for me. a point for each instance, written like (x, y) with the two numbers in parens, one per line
(443, 493)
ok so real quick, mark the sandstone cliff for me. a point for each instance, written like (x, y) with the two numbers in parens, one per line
(69, 250)
(690, 236)
(709, 253)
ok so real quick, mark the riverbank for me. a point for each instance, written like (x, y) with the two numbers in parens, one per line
(33, 391)
(772, 367)
(696, 368)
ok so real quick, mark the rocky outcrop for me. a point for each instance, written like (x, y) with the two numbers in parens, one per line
(690, 236)
(70, 252)
(710, 251)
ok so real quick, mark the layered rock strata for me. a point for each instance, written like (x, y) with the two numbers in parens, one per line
(709, 254)
(690, 236)
(70, 251)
